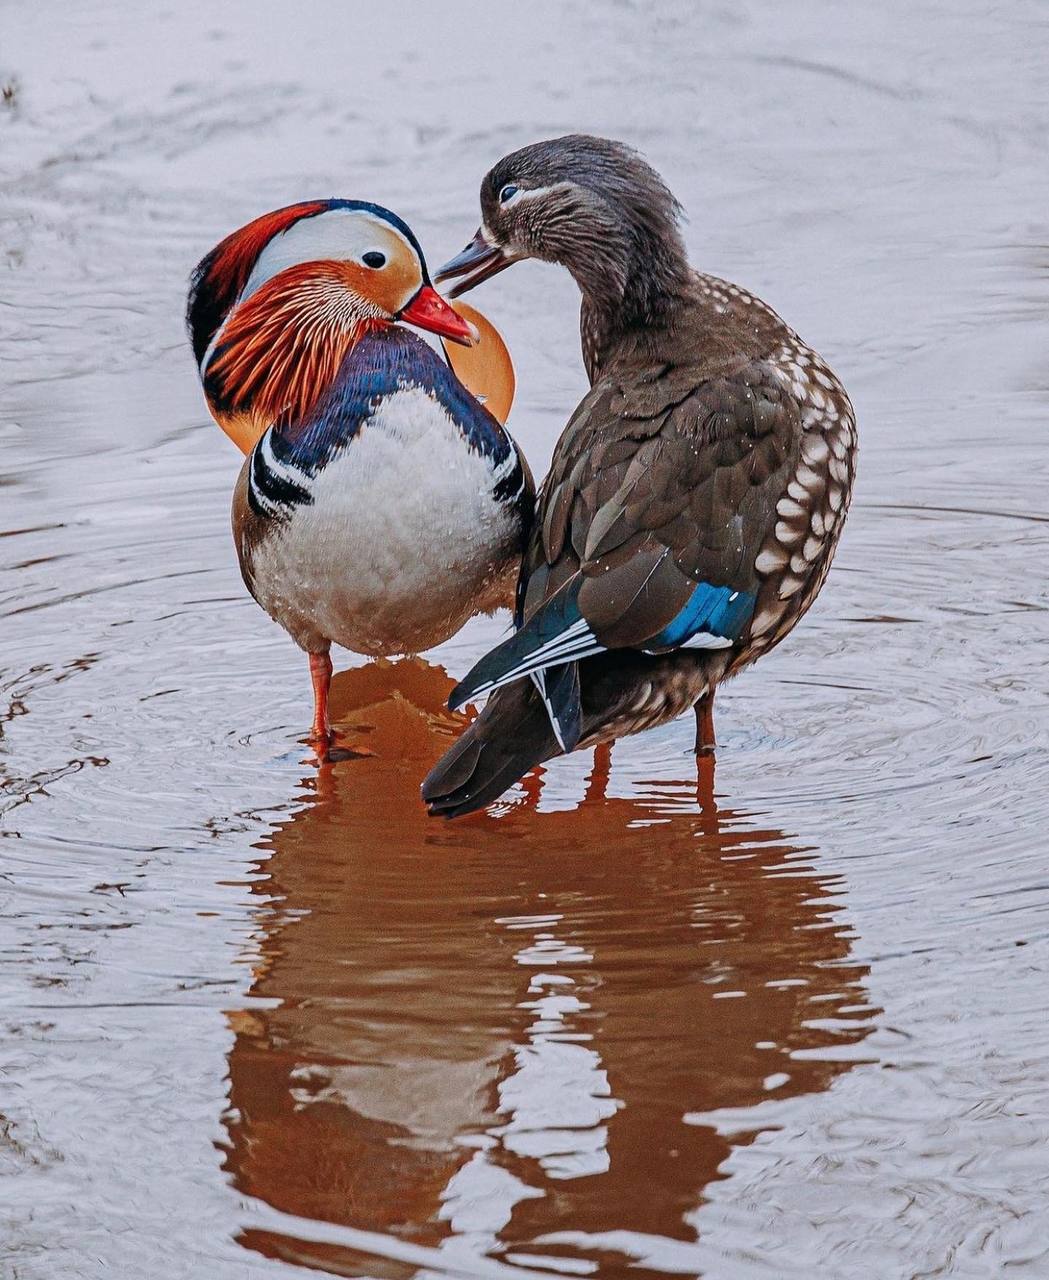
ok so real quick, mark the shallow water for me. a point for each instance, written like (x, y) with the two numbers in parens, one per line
(260, 1018)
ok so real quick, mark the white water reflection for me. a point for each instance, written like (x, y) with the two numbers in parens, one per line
(554, 1100)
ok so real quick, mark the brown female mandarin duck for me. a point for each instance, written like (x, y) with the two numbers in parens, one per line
(695, 498)
(382, 505)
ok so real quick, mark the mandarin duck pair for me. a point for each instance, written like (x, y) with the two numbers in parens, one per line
(694, 501)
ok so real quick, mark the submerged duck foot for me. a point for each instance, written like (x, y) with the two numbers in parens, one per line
(329, 749)
(335, 754)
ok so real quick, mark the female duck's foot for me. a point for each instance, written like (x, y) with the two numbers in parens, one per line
(706, 742)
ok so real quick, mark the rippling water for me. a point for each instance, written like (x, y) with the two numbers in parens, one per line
(260, 1018)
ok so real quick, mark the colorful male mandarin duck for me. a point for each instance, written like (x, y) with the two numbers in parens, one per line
(695, 498)
(382, 505)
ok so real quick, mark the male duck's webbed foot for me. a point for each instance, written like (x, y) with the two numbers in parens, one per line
(706, 742)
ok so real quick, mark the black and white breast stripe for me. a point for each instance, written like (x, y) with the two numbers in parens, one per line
(509, 478)
(275, 485)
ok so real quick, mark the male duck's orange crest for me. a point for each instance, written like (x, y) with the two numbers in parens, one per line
(233, 259)
(220, 278)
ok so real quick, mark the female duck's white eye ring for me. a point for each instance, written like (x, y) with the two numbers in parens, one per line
(507, 194)
(373, 258)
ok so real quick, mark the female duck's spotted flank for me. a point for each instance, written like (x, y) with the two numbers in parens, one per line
(381, 506)
(695, 498)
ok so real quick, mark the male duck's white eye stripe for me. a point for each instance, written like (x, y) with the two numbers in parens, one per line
(337, 233)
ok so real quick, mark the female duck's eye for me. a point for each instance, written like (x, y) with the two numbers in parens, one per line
(374, 259)
(508, 192)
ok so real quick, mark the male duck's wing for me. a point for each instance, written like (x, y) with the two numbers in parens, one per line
(659, 497)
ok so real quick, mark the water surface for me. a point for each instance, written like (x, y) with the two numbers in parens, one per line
(261, 1018)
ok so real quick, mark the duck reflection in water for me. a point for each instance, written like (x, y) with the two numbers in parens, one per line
(494, 1031)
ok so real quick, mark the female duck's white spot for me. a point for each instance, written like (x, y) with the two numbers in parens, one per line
(787, 533)
(704, 640)
(770, 560)
(814, 448)
(643, 694)
(838, 470)
(789, 509)
(766, 619)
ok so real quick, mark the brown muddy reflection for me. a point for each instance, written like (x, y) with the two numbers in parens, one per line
(495, 1028)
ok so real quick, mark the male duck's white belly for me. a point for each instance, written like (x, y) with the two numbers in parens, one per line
(403, 540)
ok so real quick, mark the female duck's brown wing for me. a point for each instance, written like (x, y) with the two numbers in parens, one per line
(665, 467)
(660, 497)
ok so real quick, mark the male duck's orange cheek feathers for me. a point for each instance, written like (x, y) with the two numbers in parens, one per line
(485, 369)
(244, 429)
(272, 359)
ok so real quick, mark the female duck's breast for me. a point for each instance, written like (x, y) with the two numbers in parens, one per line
(402, 540)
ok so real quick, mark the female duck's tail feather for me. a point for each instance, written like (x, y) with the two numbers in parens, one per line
(596, 700)
(511, 734)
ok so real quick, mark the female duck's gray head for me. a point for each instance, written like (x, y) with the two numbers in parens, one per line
(592, 205)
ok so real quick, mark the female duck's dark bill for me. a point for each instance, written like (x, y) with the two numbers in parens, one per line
(477, 262)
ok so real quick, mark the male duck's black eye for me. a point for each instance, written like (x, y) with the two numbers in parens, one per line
(507, 193)
(374, 259)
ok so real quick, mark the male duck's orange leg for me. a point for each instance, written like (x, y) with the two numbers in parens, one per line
(705, 739)
(320, 674)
